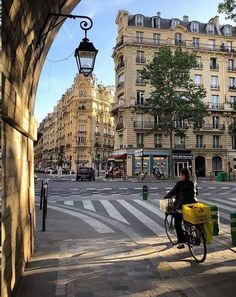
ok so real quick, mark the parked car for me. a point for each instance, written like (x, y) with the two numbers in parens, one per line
(85, 173)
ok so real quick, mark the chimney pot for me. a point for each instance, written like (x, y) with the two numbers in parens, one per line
(185, 18)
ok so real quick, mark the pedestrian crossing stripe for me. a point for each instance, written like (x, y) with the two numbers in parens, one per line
(88, 205)
(113, 212)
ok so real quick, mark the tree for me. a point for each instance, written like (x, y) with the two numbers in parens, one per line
(229, 8)
(174, 100)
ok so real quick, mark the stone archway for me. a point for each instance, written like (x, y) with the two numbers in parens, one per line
(200, 166)
(22, 62)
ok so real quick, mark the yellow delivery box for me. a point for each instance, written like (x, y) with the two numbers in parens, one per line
(196, 213)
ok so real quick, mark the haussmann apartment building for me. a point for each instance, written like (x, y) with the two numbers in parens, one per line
(80, 130)
(206, 149)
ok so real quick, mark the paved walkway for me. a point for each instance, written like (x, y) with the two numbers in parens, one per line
(72, 260)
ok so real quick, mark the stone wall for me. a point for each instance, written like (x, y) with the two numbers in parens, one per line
(22, 60)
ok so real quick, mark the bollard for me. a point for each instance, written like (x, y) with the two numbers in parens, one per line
(215, 219)
(233, 227)
(41, 196)
(145, 192)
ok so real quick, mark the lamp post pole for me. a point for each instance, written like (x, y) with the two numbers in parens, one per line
(142, 142)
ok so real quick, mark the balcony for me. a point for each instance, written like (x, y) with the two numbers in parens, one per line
(180, 145)
(120, 84)
(215, 106)
(143, 125)
(232, 128)
(215, 87)
(231, 69)
(232, 88)
(97, 133)
(82, 131)
(119, 126)
(217, 146)
(199, 66)
(172, 42)
(210, 127)
(214, 67)
(158, 145)
(140, 60)
(200, 145)
(140, 82)
(120, 66)
(116, 105)
(180, 125)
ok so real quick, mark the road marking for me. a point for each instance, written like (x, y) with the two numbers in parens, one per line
(225, 188)
(95, 224)
(138, 188)
(74, 189)
(211, 188)
(112, 211)
(88, 205)
(90, 188)
(123, 188)
(69, 202)
(141, 217)
(154, 188)
(107, 188)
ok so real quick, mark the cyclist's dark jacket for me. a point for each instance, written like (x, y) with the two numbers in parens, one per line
(183, 192)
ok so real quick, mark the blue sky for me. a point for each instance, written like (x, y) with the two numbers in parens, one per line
(57, 77)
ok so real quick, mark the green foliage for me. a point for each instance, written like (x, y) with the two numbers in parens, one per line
(228, 7)
(174, 96)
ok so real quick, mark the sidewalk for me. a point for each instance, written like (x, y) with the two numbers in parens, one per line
(72, 260)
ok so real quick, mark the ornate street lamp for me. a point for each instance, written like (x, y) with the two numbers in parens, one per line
(85, 53)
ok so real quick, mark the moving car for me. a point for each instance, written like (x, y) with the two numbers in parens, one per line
(85, 173)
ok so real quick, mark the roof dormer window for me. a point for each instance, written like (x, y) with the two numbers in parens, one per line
(139, 20)
(195, 27)
(210, 29)
(175, 22)
(227, 30)
(155, 22)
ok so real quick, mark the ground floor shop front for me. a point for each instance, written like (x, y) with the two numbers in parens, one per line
(201, 164)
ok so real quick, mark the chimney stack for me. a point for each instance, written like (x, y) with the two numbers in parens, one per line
(159, 14)
(185, 18)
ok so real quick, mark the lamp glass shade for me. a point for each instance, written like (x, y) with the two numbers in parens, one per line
(85, 56)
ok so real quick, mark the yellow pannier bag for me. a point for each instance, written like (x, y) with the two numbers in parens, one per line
(196, 213)
(208, 231)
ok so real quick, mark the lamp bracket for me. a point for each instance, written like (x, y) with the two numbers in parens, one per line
(85, 24)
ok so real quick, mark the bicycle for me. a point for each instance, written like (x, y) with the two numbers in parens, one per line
(194, 234)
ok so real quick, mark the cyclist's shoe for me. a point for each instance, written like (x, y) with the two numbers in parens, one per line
(180, 246)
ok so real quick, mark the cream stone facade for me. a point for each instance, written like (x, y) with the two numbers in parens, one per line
(80, 130)
(206, 149)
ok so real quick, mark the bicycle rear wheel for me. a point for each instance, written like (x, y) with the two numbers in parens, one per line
(196, 243)
(170, 228)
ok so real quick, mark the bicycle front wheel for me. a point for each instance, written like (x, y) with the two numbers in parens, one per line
(197, 243)
(170, 228)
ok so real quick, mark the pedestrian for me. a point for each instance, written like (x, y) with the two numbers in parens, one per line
(184, 194)
(111, 171)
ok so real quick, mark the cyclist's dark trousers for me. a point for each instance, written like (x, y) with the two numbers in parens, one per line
(178, 227)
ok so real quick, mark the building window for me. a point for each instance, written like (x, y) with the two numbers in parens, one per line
(196, 42)
(82, 140)
(121, 79)
(215, 122)
(139, 37)
(82, 93)
(155, 22)
(216, 163)
(232, 99)
(140, 139)
(232, 83)
(158, 140)
(231, 64)
(178, 38)
(139, 20)
(214, 82)
(120, 96)
(175, 22)
(156, 38)
(210, 29)
(195, 27)
(179, 142)
(199, 62)
(199, 141)
(140, 98)
(233, 142)
(213, 63)
(139, 78)
(229, 46)
(216, 141)
(140, 57)
(211, 44)
(227, 30)
(214, 101)
(82, 128)
(121, 140)
(198, 80)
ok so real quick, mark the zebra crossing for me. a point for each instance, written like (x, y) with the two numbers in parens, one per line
(144, 217)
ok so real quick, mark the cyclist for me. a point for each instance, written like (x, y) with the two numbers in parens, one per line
(184, 194)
